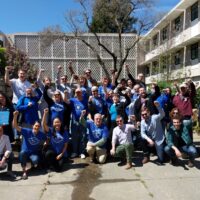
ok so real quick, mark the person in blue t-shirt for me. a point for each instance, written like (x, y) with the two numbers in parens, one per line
(58, 139)
(96, 104)
(28, 106)
(32, 142)
(97, 137)
(78, 131)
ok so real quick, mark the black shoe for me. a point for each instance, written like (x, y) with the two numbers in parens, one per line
(173, 161)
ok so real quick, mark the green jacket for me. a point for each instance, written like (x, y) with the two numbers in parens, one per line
(174, 135)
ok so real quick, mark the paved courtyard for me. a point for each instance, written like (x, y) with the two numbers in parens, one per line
(82, 180)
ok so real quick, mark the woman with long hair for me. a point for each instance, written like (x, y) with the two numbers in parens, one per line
(58, 139)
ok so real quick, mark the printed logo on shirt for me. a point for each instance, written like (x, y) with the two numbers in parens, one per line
(33, 141)
(96, 133)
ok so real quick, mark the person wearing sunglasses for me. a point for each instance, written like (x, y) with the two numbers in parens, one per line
(152, 133)
(122, 143)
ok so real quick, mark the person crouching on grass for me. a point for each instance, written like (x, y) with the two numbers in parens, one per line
(122, 144)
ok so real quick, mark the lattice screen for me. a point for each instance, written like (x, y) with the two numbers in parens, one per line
(33, 46)
(61, 52)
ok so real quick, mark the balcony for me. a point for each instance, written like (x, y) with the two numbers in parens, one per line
(185, 37)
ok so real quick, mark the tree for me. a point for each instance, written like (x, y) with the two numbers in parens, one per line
(125, 15)
(10, 55)
(105, 12)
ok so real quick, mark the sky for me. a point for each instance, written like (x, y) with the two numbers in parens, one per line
(34, 15)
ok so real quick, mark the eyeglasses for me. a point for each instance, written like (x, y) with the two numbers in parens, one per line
(144, 114)
(119, 121)
(95, 91)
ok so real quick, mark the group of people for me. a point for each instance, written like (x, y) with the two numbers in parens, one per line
(81, 117)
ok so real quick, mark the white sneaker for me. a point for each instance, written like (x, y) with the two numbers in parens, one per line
(82, 156)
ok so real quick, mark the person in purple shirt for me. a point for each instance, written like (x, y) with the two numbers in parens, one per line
(32, 142)
(58, 139)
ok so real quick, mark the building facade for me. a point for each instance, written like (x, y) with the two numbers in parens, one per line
(171, 50)
(61, 51)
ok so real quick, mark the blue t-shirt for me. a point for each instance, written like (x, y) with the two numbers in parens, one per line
(99, 104)
(77, 107)
(102, 92)
(58, 141)
(96, 133)
(57, 111)
(113, 112)
(31, 142)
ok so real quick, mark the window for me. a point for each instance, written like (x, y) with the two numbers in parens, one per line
(155, 68)
(164, 61)
(164, 33)
(194, 51)
(177, 24)
(194, 11)
(177, 58)
(155, 40)
(147, 70)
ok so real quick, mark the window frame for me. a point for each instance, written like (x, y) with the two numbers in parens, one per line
(177, 24)
(194, 51)
(194, 11)
(177, 58)
(164, 33)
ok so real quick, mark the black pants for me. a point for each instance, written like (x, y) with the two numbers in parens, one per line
(9, 161)
(50, 158)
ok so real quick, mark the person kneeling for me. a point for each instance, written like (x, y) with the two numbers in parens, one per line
(6, 155)
(58, 139)
(97, 137)
(31, 144)
(122, 144)
(178, 141)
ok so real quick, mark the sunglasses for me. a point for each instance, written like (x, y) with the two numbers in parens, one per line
(144, 114)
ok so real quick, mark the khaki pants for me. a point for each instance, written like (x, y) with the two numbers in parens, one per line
(100, 153)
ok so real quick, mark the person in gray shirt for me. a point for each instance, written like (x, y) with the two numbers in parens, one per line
(152, 133)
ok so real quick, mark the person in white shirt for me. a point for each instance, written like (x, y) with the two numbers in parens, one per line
(18, 85)
(122, 144)
(6, 155)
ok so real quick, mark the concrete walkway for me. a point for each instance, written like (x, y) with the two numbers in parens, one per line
(82, 180)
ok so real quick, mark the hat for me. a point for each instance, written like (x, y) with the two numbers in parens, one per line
(94, 88)
(183, 85)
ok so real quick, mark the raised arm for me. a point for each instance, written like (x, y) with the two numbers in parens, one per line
(15, 125)
(44, 120)
(6, 77)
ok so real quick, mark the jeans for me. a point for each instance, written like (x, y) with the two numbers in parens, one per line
(159, 150)
(25, 156)
(190, 150)
(79, 141)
